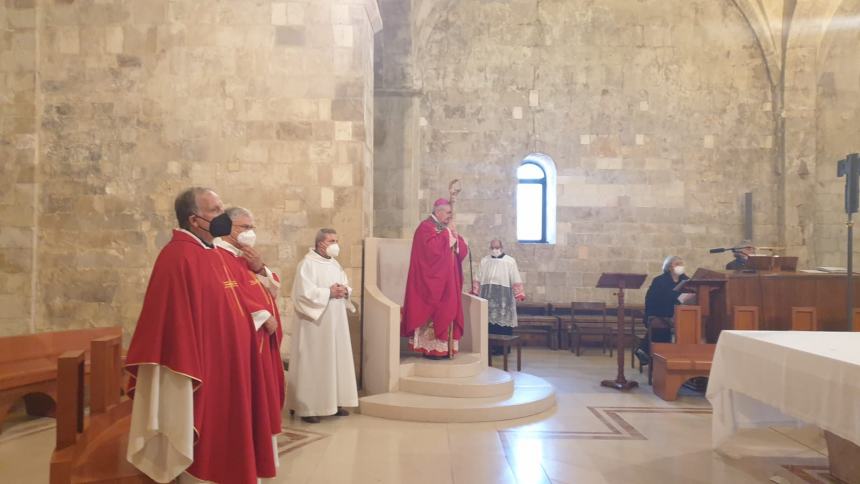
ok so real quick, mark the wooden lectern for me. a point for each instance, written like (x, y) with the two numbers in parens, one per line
(621, 282)
(702, 284)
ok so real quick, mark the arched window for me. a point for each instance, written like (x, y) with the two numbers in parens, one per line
(536, 191)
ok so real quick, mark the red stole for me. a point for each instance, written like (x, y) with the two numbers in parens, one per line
(435, 283)
(194, 323)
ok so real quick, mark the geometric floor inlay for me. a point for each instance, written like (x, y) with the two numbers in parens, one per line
(291, 439)
(812, 474)
(617, 428)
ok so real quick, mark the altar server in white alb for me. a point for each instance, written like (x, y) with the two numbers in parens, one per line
(321, 380)
(498, 281)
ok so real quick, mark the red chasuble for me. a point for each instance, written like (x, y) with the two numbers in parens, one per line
(193, 323)
(435, 282)
(269, 377)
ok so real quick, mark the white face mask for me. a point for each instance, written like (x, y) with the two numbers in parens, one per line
(678, 270)
(333, 250)
(247, 238)
(495, 252)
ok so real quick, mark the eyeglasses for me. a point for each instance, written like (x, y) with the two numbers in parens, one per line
(246, 227)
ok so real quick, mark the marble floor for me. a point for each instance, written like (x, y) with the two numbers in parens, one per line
(593, 436)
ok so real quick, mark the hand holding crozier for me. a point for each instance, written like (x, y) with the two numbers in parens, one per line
(454, 190)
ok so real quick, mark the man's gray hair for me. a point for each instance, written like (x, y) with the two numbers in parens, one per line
(668, 261)
(236, 212)
(321, 234)
(497, 240)
(185, 205)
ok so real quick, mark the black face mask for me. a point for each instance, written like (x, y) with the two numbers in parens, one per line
(220, 226)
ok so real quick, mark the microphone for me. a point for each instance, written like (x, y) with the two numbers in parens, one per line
(718, 251)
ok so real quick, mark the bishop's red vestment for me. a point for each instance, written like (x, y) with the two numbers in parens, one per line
(434, 288)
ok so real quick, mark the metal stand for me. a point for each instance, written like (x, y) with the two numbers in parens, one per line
(850, 273)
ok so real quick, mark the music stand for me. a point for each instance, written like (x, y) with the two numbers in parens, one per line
(610, 280)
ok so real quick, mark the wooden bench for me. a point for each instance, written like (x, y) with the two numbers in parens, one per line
(587, 319)
(93, 449)
(675, 363)
(533, 308)
(545, 326)
(505, 342)
(28, 366)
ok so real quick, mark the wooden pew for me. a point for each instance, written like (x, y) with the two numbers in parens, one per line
(28, 366)
(93, 449)
(804, 319)
(675, 363)
(588, 319)
(534, 320)
(544, 326)
(746, 318)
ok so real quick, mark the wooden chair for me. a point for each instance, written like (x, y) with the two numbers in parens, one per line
(688, 324)
(676, 363)
(93, 450)
(28, 366)
(804, 319)
(746, 318)
(587, 319)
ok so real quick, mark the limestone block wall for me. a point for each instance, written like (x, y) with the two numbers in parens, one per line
(18, 135)
(657, 115)
(838, 131)
(267, 102)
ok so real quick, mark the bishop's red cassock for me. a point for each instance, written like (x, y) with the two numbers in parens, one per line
(434, 288)
(193, 326)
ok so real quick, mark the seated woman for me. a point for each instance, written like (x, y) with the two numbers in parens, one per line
(660, 301)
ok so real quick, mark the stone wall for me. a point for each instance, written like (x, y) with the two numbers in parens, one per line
(267, 102)
(657, 114)
(838, 131)
(18, 141)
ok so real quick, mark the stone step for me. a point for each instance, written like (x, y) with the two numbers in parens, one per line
(463, 365)
(491, 382)
(532, 395)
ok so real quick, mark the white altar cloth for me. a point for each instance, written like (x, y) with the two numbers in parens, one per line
(786, 378)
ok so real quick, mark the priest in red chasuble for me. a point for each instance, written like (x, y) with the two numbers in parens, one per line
(258, 287)
(432, 313)
(193, 378)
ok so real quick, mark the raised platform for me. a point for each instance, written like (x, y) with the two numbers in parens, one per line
(460, 390)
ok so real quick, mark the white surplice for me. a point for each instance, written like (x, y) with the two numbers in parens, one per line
(321, 376)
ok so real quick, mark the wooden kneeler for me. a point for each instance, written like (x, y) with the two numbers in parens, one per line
(93, 450)
(675, 363)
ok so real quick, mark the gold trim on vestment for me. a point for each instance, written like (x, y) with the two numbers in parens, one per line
(125, 368)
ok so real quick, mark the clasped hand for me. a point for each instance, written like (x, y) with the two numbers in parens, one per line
(338, 291)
